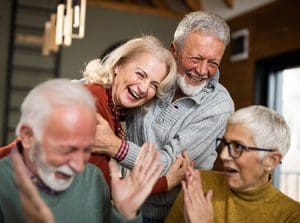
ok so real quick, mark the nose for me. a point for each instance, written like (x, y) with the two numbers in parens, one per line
(77, 162)
(202, 67)
(224, 155)
(143, 87)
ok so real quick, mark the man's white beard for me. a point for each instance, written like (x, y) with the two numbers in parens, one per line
(47, 172)
(188, 90)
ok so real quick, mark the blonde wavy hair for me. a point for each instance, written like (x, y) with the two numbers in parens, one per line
(102, 71)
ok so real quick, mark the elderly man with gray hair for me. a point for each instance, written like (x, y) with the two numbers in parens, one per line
(189, 117)
(57, 131)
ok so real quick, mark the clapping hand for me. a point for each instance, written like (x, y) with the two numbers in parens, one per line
(197, 205)
(130, 193)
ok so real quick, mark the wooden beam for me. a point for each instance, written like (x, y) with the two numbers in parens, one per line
(135, 8)
(29, 39)
(229, 3)
(161, 4)
(194, 5)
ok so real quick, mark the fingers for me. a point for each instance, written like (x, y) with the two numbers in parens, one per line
(22, 180)
(35, 209)
(148, 163)
(100, 118)
(114, 171)
(209, 196)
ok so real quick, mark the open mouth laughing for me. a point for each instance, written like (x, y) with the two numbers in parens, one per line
(134, 94)
(196, 78)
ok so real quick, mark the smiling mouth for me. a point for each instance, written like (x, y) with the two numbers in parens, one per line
(63, 176)
(134, 94)
(196, 78)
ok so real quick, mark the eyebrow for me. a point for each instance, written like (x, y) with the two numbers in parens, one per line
(218, 60)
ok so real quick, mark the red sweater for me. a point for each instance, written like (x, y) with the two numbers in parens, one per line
(100, 160)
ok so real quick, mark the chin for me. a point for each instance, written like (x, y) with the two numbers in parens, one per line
(59, 185)
(189, 89)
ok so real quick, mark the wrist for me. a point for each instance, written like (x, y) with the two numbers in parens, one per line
(122, 150)
(128, 214)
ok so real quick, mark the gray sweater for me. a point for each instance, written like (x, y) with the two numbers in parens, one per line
(188, 123)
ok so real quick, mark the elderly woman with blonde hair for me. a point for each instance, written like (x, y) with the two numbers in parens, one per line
(131, 76)
(255, 142)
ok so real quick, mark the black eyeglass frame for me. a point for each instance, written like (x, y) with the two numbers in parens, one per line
(242, 147)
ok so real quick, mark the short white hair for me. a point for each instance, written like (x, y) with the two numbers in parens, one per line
(268, 128)
(41, 100)
(200, 21)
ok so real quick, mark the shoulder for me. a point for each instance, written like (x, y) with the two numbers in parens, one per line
(222, 96)
(289, 209)
(288, 202)
(5, 165)
(96, 89)
(6, 174)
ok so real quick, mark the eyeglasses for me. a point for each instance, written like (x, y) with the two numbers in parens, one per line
(236, 149)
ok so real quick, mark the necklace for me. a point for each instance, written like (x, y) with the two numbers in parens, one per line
(117, 114)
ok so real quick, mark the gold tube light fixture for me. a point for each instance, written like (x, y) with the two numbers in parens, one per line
(70, 22)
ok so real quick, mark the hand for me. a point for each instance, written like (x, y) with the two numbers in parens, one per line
(176, 172)
(130, 193)
(35, 209)
(106, 141)
(197, 205)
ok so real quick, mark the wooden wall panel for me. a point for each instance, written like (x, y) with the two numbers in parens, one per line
(273, 30)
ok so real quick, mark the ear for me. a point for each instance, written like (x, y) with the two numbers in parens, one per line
(174, 50)
(272, 160)
(116, 69)
(27, 136)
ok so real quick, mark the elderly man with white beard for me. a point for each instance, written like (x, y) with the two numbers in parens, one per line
(191, 116)
(57, 131)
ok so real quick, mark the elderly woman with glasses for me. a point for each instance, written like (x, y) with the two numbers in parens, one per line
(255, 141)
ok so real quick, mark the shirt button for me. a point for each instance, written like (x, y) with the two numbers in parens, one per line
(159, 120)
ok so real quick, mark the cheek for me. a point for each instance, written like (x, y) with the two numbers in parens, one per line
(250, 171)
(186, 65)
(56, 160)
(151, 94)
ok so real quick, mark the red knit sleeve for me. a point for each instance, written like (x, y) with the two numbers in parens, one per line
(4, 151)
(160, 186)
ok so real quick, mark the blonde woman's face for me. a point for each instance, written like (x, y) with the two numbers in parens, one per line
(137, 81)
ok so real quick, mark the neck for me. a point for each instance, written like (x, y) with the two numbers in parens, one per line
(178, 94)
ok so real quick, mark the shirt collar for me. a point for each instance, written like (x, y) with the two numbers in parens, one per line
(35, 179)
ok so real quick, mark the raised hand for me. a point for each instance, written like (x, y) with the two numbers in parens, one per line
(177, 170)
(130, 193)
(197, 205)
(35, 209)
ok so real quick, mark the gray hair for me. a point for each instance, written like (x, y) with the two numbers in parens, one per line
(201, 22)
(41, 100)
(268, 128)
(102, 72)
